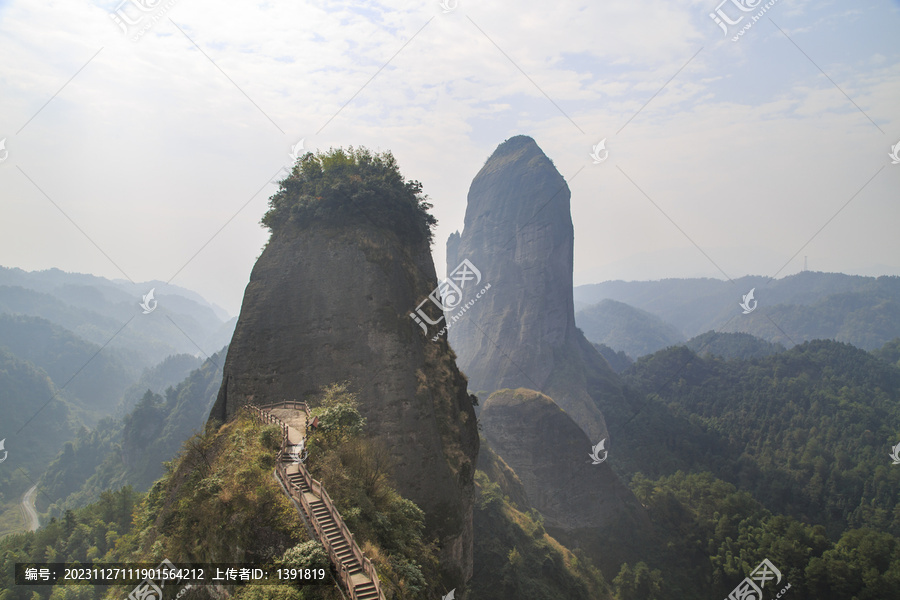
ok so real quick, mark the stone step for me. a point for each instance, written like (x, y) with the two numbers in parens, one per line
(366, 591)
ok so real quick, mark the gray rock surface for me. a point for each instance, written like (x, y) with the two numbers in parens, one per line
(550, 455)
(584, 505)
(521, 333)
(331, 304)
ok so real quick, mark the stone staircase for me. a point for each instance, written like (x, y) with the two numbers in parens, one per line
(356, 572)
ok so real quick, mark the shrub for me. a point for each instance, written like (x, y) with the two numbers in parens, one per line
(308, 555)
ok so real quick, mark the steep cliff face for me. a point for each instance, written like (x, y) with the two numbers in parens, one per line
(329, 303)
(583, 504)
(521, 333)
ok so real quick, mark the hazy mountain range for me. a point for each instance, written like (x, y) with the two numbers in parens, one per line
(863, 311)
(103, 311)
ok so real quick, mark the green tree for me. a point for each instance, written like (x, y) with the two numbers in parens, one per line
(355, 185)
(639, 583)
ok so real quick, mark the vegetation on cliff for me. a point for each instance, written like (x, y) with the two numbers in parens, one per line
(515, 557)
(218, 502)
(355, 471)
(340, 186)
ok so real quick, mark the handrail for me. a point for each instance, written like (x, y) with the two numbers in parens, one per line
(317, 489)
(287, 404)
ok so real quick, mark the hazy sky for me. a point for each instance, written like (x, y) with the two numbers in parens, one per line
(148, 153)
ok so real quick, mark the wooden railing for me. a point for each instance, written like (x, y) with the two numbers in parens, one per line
(294, 404)
(262, 413)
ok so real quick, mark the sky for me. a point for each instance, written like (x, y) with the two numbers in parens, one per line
(143, 138)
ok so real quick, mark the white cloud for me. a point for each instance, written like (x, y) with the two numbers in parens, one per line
(151, 149)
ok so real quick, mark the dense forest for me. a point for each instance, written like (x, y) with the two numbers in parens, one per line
(807, 432)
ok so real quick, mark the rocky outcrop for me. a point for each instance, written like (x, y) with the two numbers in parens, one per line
(330, 303)
(521, 332)
(583, 504)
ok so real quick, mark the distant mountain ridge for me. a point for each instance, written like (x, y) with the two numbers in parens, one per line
(623, 327)
(93, 380)
(96, 309)
(863, 311)
(733, 345)
(51, 279)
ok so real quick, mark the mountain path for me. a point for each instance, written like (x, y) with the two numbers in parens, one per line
(31, 516)
(356, 572)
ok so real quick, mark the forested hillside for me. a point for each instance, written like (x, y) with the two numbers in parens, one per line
(806, 432)
(27, 395)
(732, 345)
(131, 451)
(93, 380)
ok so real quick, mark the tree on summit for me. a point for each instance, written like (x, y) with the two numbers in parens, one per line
(353, 185)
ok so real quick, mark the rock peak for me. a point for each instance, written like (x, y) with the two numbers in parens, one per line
(328, 301)
(516, 145)
(518, 232)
